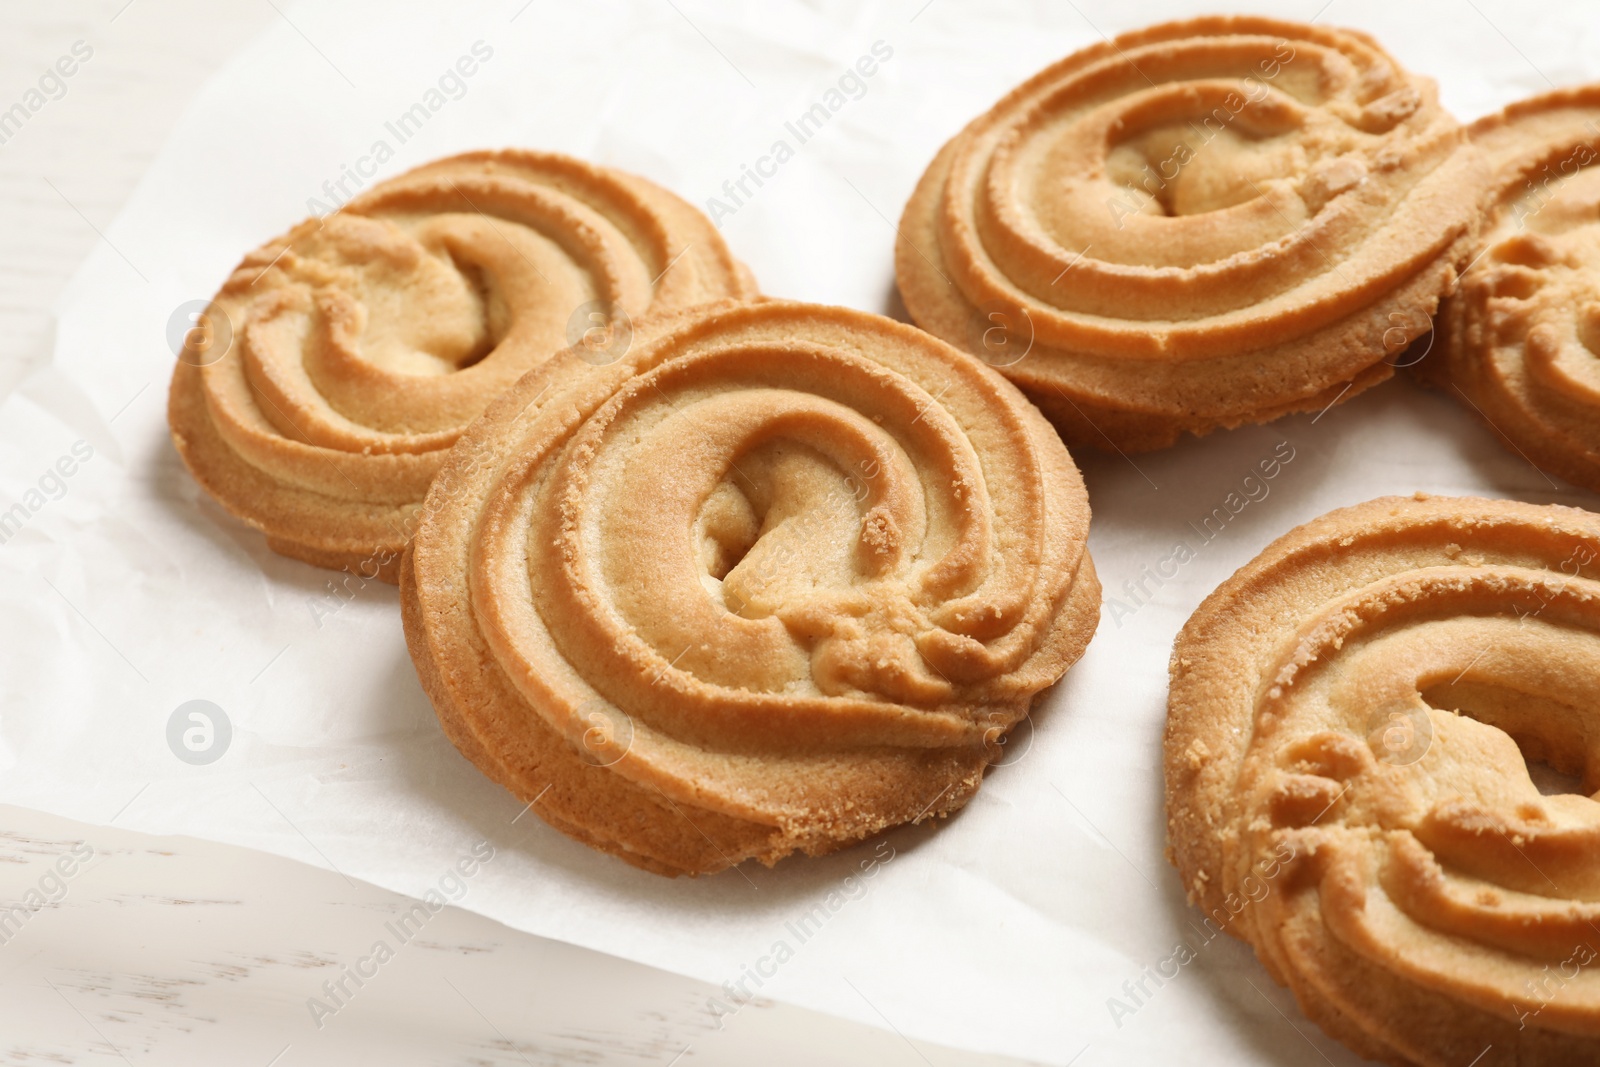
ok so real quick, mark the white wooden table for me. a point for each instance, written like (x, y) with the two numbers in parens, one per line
(136, 949)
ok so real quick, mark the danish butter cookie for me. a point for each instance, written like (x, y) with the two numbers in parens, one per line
(1352, 723)
(340, 362)
(1196, 225)
(783, 577)
(1520, 340)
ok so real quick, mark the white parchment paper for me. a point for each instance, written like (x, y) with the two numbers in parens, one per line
(1037, 923)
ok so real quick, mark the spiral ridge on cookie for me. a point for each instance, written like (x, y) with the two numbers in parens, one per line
(1196, 225)
(340, 362)
(784, 576)
(1352, 722)
(1520, 341)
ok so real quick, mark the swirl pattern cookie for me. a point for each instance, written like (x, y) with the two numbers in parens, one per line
(1196, 225)
(1520, 341)
(783, 577)
(1352, 723)
(342, 360)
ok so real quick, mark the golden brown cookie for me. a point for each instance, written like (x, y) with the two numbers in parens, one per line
(341, 361)
(782, 577)
(1196, 225)
(1352, 721)
(1520, 341)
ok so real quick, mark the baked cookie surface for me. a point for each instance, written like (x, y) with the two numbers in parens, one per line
(1351, 724)
(1196, 225)
(782, 577)
(1520, 341)
(341, 361)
